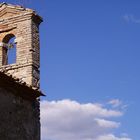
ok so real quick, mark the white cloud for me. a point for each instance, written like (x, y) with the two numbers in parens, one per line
(111, 137)
(115, 103)
(131, 18)
(70, 120)
(107, 124)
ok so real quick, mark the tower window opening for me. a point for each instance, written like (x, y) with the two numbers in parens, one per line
(9, 50)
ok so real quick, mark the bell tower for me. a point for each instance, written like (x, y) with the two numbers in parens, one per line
(21, 25)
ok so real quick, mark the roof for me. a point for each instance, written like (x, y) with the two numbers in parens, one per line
(19, 88)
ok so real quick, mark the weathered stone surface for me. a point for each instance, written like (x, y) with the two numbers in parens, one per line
(19, 117)
(24, 25)
(19, 104)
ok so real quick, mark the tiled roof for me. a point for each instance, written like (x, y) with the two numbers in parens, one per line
(19, 87)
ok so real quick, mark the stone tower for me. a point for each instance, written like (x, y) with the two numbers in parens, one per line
(23, 24)
(19, 81)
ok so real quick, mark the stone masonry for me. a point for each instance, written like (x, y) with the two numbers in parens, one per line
(19, 117)
(19, 110)
(22, 23)
(19, 82)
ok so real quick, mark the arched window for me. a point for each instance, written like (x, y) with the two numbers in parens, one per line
(9, 49)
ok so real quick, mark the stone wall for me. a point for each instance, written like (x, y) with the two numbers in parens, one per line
(19, 118)
(19, 106)
(24, 25)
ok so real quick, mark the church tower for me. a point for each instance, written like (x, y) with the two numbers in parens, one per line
(21, 25)
(19, 73)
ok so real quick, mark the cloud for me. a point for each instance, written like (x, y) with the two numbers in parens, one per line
(111, 137)
(131, 18)
(115, 103)
(107, 124)
(70, 120)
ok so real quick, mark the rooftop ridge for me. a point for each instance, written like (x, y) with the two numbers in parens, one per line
(13, 79)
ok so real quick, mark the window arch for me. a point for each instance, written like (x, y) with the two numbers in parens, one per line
(9, 49)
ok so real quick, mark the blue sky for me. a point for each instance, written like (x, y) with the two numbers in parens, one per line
(90, 53)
